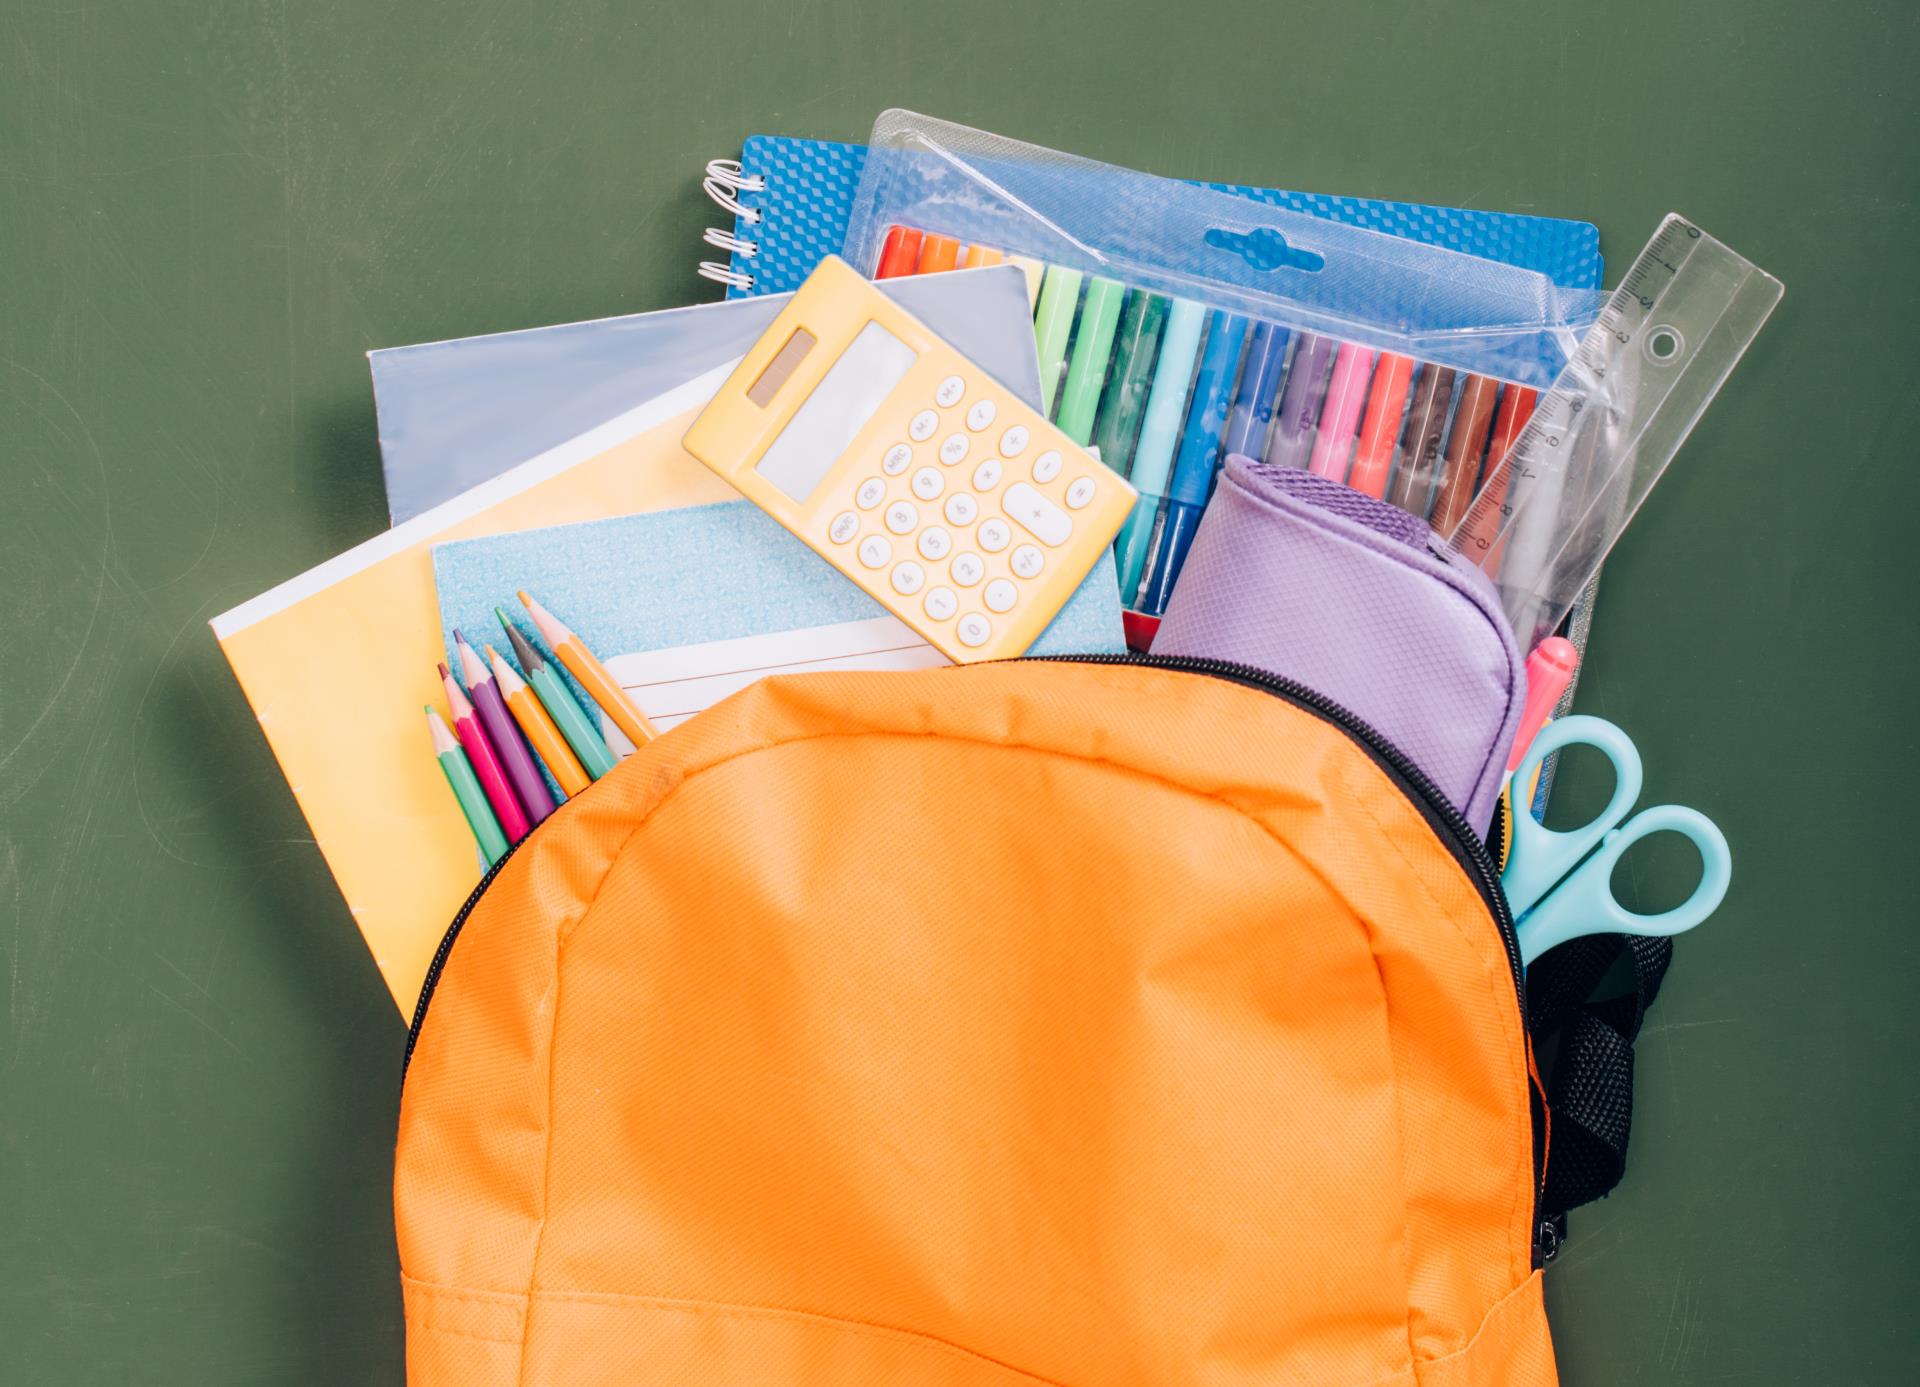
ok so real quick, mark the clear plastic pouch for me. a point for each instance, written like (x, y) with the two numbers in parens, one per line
(1177, 324)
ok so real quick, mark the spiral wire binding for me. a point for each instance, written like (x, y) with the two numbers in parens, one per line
(726, 178)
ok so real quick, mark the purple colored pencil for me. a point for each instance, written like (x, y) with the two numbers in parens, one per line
(516, 758)
(1306, 392)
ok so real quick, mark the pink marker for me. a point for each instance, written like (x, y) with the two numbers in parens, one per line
(1340, 420)
(1549, 670)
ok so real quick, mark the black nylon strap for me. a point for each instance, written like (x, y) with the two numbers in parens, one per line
(1590, 1088)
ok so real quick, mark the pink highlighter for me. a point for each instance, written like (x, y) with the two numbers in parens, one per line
(1340, 420)
(1549, 670)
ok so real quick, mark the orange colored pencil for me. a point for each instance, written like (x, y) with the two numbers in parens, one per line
(581, 663)
(539, 727)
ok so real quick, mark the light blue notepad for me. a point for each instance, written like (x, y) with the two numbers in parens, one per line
(686, 606)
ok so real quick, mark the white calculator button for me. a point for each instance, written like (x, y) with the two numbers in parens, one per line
(1013, 442)
(896, 459)
(981, 415)
(941, 603)
(974, 630)
(987, 475)
(928, 483)
(923, 425)
(871, 493)
(1028, 561)
(961, 508)
(1048, 523)
(953, 449)
(967, 569)
(1046, 467)
(902, 517)
(1000, 595)
(907, 577)
(950, 391)
(875, 551)
(994, 535)
(845, 526)
(935, 543)
(1080, 493)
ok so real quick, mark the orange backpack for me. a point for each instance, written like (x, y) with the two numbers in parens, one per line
(1096, 1024)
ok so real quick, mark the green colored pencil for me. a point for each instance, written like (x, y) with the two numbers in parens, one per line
(466, 788)
(574, 725)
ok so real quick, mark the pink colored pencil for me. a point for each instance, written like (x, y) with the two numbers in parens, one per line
(486, 765)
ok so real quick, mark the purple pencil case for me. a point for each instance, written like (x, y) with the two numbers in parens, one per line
(1300, 576)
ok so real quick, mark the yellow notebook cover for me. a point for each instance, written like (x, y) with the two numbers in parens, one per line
(338, 662)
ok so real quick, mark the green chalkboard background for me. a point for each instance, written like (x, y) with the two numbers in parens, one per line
(210, 209)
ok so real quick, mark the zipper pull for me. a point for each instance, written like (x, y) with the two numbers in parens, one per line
(1547, 1240)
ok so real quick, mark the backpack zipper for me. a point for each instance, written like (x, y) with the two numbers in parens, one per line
(1449, 824)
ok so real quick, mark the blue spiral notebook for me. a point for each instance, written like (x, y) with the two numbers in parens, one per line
(795, 197)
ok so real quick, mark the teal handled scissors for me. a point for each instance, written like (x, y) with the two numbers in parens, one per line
(1558, 892)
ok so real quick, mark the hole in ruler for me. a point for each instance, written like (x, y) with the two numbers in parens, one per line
(1663, 344)
(1265, 249)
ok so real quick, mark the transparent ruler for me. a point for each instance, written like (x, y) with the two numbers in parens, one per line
(1606, 429)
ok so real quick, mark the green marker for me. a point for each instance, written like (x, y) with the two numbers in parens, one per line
(1092, 346)
(1053, 326)
(1136, 346)
(466, 788)
(574, 725)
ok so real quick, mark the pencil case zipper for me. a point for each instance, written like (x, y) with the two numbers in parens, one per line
(1445, 820)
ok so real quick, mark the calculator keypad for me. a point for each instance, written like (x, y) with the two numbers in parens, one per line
(971, 547)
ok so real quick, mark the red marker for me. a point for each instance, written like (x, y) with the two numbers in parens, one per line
(900, 253)
(486, 765)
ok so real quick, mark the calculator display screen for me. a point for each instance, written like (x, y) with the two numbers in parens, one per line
(847, 396)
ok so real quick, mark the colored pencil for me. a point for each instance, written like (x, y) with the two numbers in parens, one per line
(515, 756)
(541, 734)
(601, 686)
(562, 707)
(466, 788)
(486, 764)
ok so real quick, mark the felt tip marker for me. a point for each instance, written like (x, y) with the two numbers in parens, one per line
(1380, 433)
(1340, 420)
(1483, 543)
(1426, 426)
(1472, 419)
(938, 254)
(1053, 327)
(1159, 432)
(1292, 441)
(900, 253)
(1199, 452)
(980, 256)
(1136, 345)
(1092, 350)
(1254, 400)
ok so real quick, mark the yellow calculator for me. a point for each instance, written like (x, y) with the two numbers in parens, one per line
(908, 468)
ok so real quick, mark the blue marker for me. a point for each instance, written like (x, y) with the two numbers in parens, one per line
(1199, 451)
(1153, 455)
(1253, 403)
